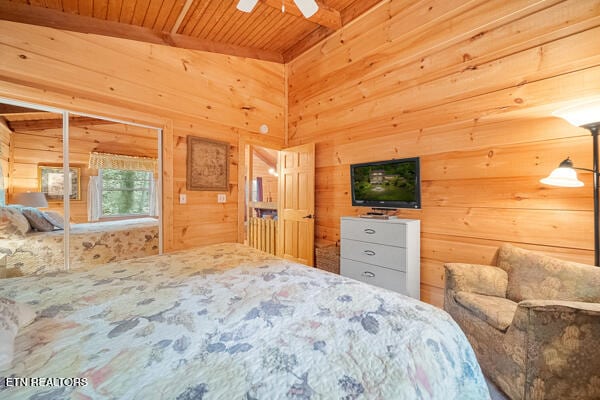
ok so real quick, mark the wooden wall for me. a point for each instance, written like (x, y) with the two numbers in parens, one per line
(185, 92)
(470, 87)
(32, 148)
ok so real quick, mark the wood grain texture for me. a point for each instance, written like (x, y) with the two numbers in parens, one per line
(128, 27)
(470, 87)
(184, 92)
(266, 33)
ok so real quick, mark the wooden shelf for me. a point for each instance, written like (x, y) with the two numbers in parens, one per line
(263, 205)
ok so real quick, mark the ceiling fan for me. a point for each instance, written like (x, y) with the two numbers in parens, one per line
(307, 7)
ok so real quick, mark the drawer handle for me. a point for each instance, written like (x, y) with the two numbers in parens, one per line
(369, 231)
(368, 274)
(369, 252)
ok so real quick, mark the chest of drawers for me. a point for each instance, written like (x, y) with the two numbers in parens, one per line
(384, 253)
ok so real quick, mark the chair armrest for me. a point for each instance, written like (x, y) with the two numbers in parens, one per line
(555, 345)
(476, 278)
(561, 306)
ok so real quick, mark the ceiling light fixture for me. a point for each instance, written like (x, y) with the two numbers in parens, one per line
(308, 8)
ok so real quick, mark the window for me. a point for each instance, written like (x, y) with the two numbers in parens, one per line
(125, 192)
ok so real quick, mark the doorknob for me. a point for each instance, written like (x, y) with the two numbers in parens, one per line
(309, 216)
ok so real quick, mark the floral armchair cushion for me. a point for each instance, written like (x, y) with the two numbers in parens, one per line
(535, 276)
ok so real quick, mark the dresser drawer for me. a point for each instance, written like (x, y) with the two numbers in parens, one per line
(366, 230)
(374, 275)
(377, 254)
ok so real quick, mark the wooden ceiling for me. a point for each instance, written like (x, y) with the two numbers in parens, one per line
(210, 25)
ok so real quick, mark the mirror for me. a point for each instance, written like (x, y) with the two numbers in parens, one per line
(114, 196)
(29, 242)
(112, 186)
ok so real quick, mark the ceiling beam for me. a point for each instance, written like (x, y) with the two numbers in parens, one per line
(41, 16)
(348, 14)
(325, 16)
(306, 43)
(43, 124)
(267, 158)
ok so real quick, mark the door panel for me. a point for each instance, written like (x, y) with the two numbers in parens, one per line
(297, 204)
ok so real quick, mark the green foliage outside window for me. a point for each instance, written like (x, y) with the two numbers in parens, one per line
(125, 192)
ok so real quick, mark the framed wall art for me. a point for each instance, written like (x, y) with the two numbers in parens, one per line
(207, 164)
(51, 182)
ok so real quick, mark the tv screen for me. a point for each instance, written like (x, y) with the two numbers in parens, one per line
(387, 184)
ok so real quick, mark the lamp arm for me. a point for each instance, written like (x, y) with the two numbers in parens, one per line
(588, 170)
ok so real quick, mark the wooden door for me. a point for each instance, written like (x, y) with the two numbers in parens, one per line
(296, 211)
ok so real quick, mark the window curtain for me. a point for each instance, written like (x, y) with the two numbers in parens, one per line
(94, 205)
(119, 161)
(153, 197)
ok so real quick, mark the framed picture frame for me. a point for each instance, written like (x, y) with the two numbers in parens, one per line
(51, 182)
(207, 164)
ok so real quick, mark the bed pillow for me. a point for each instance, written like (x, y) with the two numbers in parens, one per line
(13, 316)
(13, 222)
(37, 220)
(55, 218)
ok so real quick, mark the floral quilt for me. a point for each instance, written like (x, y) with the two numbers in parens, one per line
(230, 322)
(90, 243)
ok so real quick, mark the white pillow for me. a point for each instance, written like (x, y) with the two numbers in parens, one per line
(55, 218)
(13, 316)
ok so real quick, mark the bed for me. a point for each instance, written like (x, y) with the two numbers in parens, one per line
(90, 243)
(230, 322)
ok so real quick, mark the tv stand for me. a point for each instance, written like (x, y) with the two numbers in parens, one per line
(383, 253)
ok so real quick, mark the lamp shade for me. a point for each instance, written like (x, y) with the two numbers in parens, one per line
(581, 114)
(31, 199)
(565, 176)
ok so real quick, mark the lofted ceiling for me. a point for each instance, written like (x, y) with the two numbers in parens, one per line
(210, 25)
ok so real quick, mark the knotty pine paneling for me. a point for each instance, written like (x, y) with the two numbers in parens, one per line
(184, 92)
(31, 149)
(469, 87)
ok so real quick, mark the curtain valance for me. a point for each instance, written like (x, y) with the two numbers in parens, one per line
(119, 161)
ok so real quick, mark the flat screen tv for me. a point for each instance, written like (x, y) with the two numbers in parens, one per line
(387, 184)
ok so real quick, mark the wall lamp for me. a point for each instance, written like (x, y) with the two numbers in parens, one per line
(585, 115)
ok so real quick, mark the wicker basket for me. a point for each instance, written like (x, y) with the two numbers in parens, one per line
(327, 258)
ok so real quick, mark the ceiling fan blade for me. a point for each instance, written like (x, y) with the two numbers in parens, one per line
(246, 5)
(308, 8)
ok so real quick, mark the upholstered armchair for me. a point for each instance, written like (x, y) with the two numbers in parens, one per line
(533, 321)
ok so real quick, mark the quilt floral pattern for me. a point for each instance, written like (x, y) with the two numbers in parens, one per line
(230, 322)
(90, 243)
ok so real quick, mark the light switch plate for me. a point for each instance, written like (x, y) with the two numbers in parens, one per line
(182, 198)
(221, 198)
